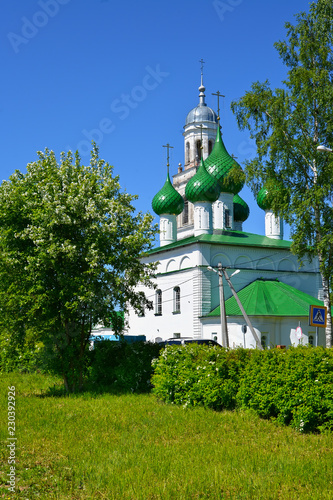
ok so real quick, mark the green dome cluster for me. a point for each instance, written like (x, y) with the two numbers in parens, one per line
(202, 186)
(168, 200)
(241, 209)
(219, 164)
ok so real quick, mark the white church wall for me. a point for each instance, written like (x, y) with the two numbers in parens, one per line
(273, 330)
(170, 322)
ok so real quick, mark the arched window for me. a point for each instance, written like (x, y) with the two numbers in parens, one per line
(264, 341)
(227, 218)
(311, 340)
(185, 212)
(158, 303)
(210, 146)
(199, 149)
(187, 152)
(176, 300)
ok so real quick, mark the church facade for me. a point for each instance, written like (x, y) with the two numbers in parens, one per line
(201, 217)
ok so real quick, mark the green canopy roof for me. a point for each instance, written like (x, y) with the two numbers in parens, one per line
(269, 298)
(227, 238)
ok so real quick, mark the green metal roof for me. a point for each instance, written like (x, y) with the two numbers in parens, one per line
(168, 200)
(269, 298)
(220, 165)
(228, 238)
(202, 186)
(241, 209)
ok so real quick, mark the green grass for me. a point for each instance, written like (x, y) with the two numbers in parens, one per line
(132, 447)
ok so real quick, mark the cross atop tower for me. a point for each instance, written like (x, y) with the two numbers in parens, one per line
(168, 157)
(218, 94)
(202, 63)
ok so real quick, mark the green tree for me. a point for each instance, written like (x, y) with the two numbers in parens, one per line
(70, 248)
(288, 124)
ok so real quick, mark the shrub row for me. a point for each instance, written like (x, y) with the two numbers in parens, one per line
(294, 386)
(123, 366)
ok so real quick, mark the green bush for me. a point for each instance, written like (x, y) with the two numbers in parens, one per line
(195, 374)
(294, 386)
(123, 366)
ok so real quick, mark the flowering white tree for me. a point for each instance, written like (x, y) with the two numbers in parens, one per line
(70, 248)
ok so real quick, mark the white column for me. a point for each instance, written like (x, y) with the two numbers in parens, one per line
(168, 229)
(223, 206)
(273, 226)
(202, 218)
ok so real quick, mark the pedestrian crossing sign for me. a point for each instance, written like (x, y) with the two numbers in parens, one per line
(318, 316)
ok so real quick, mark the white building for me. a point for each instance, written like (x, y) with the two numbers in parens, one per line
(201, 216)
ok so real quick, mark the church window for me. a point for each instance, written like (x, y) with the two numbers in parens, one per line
(176, 300)
(185, 212)
(158, 303)
(210, 146)
(264, 341)
(187, 152)
(199, 149)
(311, 340)
(227, 218)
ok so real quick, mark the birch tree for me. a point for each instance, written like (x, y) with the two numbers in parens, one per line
(288, 124)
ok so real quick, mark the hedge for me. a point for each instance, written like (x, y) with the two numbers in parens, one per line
(293, 387)
(123, 366)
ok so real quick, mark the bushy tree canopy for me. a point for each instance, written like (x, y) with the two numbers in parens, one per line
(70, 248)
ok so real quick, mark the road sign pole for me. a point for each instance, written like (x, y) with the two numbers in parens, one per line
(317, 331)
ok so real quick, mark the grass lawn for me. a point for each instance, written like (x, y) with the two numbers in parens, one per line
(132, 447)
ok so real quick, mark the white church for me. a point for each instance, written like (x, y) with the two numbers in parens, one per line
(201, 216)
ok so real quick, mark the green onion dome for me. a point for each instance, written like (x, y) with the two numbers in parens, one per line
(168, 200)
(202, 186)
(224, 168)
(241, 209)
(263, 199)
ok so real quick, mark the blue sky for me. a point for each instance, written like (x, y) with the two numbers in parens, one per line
(126, 74)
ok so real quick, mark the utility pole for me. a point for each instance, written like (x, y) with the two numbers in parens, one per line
(247, 319)
(224, 326)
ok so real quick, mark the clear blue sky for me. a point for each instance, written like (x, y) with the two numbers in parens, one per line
(126, 74)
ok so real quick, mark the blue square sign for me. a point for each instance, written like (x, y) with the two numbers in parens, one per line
(318, 316)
